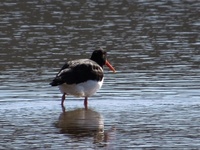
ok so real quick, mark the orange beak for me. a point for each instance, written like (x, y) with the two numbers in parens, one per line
(110, 66)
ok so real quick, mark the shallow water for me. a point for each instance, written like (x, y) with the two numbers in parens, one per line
(152, 102)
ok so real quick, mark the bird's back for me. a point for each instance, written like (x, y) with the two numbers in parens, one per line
(78, 71)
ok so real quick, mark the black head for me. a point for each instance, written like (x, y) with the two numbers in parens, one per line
(99, 56)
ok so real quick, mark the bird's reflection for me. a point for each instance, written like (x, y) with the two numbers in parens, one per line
(83, 122)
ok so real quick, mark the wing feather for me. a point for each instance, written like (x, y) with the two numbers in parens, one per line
(77, 71)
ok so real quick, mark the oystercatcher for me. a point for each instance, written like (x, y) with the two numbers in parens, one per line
(82, 77)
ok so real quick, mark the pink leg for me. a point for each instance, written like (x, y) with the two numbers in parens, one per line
(86, 103)
(63, 99)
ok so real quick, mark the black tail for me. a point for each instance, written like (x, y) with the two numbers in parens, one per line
(57, 81)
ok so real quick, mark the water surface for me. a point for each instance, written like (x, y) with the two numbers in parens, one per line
(152, 102)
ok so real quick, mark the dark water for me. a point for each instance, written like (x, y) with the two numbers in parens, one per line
(152, 102)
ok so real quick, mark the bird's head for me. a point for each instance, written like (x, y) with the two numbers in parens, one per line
(100, 57)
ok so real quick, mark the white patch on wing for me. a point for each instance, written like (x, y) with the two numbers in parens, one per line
(84, 89)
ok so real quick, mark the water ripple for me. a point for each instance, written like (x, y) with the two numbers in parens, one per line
(151, 102)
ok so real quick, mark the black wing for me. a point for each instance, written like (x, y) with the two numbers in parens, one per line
(78, 71)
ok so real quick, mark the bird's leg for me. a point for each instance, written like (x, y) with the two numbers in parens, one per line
(86, 103)
(63, 99)
(63, 108)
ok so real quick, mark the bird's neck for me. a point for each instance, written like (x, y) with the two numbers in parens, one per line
(99, 62)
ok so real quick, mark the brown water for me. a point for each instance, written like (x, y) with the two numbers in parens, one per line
(152, 102)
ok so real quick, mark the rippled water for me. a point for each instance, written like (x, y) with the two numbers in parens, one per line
(152, 102)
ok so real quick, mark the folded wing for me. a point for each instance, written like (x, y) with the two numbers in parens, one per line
(75, 72)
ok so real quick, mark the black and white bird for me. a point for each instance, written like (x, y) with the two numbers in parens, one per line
(82, 77)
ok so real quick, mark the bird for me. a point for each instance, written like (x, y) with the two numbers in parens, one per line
(82, 77)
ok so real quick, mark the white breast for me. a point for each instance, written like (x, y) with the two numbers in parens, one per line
(84, 89)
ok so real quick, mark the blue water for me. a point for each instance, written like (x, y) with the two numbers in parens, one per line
(152, 102)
